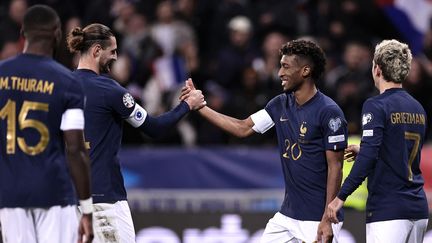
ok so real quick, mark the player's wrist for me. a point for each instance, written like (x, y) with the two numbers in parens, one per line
(86, 205)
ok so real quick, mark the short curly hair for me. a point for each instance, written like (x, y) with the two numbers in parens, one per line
(308, 50)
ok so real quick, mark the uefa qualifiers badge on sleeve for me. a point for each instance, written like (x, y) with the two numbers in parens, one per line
(366, 118)
(335, 123)
(128, 100)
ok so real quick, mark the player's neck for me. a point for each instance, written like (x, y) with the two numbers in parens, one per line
(305, 93)
(40, 48)
(384, 85)
(86, 62)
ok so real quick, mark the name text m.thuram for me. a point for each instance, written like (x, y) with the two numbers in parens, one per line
(26, 84)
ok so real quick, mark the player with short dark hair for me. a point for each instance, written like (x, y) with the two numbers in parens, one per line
(41, 117)
(312, 134)
(394, 127)
(108, 105)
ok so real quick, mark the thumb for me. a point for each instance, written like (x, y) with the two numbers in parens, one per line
(190, 84)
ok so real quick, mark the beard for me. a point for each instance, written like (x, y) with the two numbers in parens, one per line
(106, 67)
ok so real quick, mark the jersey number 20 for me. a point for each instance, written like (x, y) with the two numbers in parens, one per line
(8, 113)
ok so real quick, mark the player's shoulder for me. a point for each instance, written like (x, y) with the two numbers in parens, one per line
(326, 104)
(62, 70)
(91, 79)
(280, 97)
(7, 61)
(278, 100)
(325, 100)
(12, 63)
(378, 102)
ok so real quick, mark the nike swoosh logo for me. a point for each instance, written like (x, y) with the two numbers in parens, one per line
(283, 119)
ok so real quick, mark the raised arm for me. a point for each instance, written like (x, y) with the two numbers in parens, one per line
(236, 127)
(160, 125)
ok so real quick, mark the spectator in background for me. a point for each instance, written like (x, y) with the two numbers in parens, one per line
(237, 55)
(267, 66)
(174, 37)
(217, 98)
(417, 82)
(349, 83)
(9, 49)
(107, 106)
(251, 97)
(139, 46)
(10, 26)
(63, 55)
(275, 14)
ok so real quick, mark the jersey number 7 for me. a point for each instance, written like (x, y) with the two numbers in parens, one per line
(414, 151)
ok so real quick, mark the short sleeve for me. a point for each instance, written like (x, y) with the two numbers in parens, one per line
(273, 107)
(262, 121)
(121, 101)
(72, 119)
(74, 96)
(334, 128)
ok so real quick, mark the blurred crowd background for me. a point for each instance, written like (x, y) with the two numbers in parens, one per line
(230, 49)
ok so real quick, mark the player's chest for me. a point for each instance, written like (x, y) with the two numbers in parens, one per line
(300, 126)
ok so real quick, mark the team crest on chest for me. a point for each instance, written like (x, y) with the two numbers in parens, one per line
(303, 129)
(128, 100)
(335, 123)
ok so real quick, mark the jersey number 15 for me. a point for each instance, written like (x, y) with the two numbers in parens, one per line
(8, 113)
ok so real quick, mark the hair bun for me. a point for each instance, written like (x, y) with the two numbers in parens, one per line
(77, 31)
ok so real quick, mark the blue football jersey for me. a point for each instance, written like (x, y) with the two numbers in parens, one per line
(394, 126)
(35, 91)
(304, 134)
(107, 105)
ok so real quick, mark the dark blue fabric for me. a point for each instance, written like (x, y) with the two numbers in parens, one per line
(41, 179)
(158, 126)
(304, 134)
(386, 147)
(106, 108)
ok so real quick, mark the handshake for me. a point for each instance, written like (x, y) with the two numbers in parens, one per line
(193, 97)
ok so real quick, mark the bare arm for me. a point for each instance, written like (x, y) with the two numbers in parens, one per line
(334, 179)
(334, 174)
(236, 127)
(79, 166)
(78, 161)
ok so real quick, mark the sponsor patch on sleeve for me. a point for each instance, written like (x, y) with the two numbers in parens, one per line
(336, 139)
(368, 133)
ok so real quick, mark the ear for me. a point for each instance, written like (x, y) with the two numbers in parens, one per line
(58, 35)
(306, 71)
(96, 50)
(377, 71)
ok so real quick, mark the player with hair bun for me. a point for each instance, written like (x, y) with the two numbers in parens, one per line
(108, 105)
